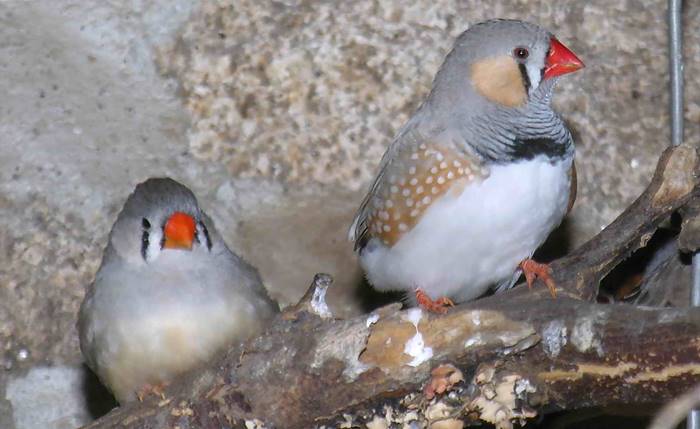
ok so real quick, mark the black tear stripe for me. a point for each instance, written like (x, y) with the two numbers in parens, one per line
(526, 149)
(144, 243)
(525, 76)
(206, 235)
(145, 238)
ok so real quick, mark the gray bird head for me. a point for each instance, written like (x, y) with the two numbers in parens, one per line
(161, 215)
(493, 93)
(501, 63)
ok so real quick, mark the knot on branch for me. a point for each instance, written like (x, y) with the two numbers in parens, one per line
(678, 175)
(314, 300)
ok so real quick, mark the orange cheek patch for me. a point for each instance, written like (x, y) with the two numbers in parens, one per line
(408, 191)
(499, 80)
(179, 231)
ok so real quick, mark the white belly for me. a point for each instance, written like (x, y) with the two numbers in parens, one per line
(465, 244)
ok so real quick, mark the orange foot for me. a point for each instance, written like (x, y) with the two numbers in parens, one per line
(438, 306)
(533, 270)
(152, 389)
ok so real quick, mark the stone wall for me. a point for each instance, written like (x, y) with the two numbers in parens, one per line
(276, 115)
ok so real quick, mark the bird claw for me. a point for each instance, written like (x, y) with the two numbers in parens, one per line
(534, 270)
(440, 305)
(151, 389)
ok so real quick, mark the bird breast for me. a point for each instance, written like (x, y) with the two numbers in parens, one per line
(150, 325)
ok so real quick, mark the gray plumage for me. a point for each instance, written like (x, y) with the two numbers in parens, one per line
(152, 313)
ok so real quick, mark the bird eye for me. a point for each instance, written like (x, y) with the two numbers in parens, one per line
(521, 53)
(145, 223)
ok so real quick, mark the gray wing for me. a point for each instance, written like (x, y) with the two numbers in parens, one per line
(408, 137)
(403, 155)
(84, 323)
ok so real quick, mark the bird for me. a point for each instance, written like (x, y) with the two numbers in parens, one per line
(478, 177)
(168, 295)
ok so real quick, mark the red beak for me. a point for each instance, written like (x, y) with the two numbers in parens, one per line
(560, 60)
(179, 231)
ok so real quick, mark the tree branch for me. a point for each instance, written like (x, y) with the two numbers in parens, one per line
(519, 353)
(674, 182)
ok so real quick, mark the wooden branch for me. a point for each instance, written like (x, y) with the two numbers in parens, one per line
(689, 239)
(671, 187)
(519, 353)
(309, 372)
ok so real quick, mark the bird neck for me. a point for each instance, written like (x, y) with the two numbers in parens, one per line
(500, 135)
(497, 134)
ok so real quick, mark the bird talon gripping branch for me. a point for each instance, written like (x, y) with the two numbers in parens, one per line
(440, 305)
(151, 389)
(534, 270)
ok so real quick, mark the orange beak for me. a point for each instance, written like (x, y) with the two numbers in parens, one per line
(560, 60)
(179, 231)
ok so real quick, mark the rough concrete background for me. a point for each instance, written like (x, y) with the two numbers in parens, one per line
(309, 91)
(276, 114)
